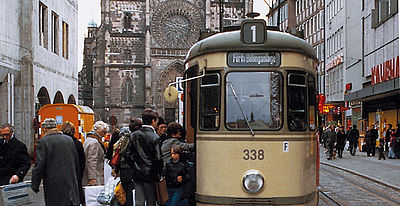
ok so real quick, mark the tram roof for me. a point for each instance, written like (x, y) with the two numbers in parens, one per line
(230, 41)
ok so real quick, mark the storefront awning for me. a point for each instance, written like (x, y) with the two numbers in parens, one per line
(376, 91)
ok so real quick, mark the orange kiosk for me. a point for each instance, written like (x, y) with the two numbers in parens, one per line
(81, 116)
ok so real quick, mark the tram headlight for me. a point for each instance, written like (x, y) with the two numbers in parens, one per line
(253, 181)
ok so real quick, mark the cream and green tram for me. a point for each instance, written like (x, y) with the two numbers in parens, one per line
(250, 107)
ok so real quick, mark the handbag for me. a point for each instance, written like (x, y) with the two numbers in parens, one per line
(162, 192)
(120, 194)
(107, 194)
(116, 158)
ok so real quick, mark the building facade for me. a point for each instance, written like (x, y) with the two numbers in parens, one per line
(140, 47)
(37, 60)
(373, 91)
(305, 19)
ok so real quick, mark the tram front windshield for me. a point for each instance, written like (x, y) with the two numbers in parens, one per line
(253, 98)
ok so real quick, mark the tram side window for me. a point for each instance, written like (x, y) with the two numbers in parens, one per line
(297, 101)
(209, 101)
(312, 102)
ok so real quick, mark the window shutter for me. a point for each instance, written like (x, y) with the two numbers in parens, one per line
(394, 6)
(374, 18)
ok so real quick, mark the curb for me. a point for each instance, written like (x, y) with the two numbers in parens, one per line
(396, 188)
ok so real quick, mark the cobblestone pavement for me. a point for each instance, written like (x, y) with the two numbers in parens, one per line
(386, 171)
(359, 191)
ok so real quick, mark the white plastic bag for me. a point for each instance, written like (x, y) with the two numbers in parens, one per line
(91, 194)
(107, 194)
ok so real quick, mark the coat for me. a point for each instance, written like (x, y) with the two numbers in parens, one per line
(353, 136)
(57, 164)
(14, 160)
(94, 154)
(81, 160)
(171, 172)
(341, 140)
(143, 155)
(330, 137)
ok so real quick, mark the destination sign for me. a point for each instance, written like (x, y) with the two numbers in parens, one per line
(263, 59)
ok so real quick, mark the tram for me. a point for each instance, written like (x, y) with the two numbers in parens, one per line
(250, 106)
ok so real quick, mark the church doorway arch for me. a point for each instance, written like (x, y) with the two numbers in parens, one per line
(168, 110)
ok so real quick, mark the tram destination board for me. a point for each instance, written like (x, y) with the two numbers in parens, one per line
(260, 59)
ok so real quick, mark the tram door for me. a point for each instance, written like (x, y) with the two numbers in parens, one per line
(190, 104)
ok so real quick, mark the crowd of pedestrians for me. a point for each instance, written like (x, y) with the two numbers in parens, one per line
(334, 139)
(150, 149)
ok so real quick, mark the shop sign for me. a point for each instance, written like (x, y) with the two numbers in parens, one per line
(321, 102)
(385, 71)
(335, 62)
(326, 109)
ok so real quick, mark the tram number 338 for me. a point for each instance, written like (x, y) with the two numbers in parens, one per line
(253, 154)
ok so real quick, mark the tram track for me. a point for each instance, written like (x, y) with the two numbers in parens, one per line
(345, 187)
(327, 199)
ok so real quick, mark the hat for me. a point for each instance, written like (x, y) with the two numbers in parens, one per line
(49, 123)
(124, 131)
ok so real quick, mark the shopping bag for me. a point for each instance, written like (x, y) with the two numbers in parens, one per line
(162, 192)
(107, 194)
(116, 158)
(120, 194)
(91, 194)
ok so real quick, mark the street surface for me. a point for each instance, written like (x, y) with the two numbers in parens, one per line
(359, 180)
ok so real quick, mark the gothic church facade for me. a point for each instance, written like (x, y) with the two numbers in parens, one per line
(140, 47)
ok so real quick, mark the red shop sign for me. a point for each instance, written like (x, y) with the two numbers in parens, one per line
(385, 71)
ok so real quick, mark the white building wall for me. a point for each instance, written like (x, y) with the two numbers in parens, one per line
(353, 45)
(53, 71)
(25, 66)
(335, 47)
(380, 44)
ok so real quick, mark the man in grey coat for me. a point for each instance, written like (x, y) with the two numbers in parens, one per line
(331, 139)
(57, 164)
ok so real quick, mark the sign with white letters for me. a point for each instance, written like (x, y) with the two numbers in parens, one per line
(179, 85)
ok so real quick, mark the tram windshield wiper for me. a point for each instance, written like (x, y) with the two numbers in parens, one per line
(240, 108)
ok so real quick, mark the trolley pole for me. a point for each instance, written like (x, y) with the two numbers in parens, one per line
(221, 14)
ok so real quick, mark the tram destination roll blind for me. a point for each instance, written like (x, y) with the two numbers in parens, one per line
(263, 59)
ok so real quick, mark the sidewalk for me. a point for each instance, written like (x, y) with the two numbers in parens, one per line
(386, 171)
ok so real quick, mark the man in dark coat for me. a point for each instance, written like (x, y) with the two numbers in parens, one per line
(353, 136)
(331, 140)
(143, 155)
(341, 141)
(370, 138)
(14, 158)
(57, 164)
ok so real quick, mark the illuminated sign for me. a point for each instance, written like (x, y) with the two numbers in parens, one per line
(264, 59)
